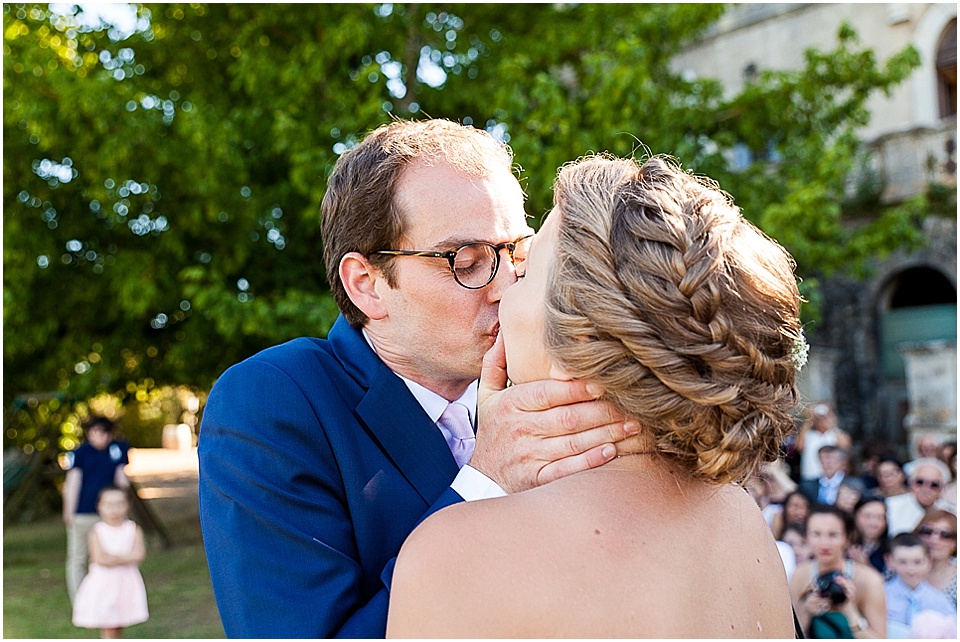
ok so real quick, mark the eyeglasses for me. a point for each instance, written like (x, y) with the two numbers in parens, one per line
(474, 265)
(934, 485)
(926, 531)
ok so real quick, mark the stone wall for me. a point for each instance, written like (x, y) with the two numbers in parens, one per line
(868, 405)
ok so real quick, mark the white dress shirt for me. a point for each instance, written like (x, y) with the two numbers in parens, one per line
(469, 483)
(829, 486)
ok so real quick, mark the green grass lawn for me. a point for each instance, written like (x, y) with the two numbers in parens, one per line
(35, 602)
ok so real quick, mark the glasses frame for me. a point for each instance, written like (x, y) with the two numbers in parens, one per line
(928, 483)
(926, 531)
(451, 257)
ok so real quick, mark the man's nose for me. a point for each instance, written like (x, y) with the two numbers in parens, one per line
(505, 277)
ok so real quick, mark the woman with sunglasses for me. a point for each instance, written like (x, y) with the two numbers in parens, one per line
(647, 283)
(938, 529)
(927, 476)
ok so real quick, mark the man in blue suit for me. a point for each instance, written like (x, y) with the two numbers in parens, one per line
(319, 457)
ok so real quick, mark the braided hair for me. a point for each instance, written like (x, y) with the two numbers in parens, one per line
(679, 309)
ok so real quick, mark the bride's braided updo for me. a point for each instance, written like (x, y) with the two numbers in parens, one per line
(683, 312)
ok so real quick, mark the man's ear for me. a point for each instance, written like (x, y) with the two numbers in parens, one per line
(360, 281)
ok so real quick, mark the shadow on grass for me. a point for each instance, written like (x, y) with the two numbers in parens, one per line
(35, 602)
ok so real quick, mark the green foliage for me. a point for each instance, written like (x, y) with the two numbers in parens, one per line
(161, 189)
(805, 122)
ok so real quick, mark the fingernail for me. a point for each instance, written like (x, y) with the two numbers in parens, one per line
(594, 390)
(631, 427)
(608, 451)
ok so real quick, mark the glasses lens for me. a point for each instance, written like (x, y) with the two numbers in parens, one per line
(475, 265)
(520, 251)
(928, 482)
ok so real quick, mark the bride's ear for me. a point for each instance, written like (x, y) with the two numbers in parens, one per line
(360, 279)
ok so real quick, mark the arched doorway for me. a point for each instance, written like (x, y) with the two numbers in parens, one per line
(918, 334)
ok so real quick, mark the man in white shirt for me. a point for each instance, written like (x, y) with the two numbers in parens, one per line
(824, 489)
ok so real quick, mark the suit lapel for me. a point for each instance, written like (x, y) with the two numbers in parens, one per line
(407, 435)
(395, 419)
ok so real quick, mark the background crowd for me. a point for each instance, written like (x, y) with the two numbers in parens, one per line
(879, 521)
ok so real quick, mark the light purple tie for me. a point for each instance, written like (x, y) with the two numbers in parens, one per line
(460, 437)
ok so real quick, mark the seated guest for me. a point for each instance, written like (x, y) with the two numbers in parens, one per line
(796, 507)
(927, 445)
(908, 593)
(938, 530)
(850, 491)
(823, 489)
(795, 536)
(833, 590)
(872, 451)
(776, 487)
(891, 480)
(927, 478)
(869, 542)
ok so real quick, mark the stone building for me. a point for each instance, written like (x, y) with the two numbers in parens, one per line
(884, 353)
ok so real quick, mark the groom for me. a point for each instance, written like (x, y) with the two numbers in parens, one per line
(319, 457)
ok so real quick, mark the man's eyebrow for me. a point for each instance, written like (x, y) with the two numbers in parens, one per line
(454, 242)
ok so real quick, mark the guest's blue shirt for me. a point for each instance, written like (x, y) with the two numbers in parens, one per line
(925, 598)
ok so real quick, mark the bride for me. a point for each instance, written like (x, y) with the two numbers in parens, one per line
(648, 283)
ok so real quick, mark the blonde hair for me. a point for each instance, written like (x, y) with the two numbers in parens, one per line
(684, 313)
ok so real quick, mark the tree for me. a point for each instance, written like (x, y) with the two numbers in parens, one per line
(162, 181)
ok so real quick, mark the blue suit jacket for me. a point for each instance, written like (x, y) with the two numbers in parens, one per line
(316, 462)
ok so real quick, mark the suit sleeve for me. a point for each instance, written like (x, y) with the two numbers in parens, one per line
(276, 526)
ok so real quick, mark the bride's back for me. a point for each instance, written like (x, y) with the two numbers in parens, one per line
(629, 550)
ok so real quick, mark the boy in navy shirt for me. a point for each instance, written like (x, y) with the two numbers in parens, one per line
(96, 463)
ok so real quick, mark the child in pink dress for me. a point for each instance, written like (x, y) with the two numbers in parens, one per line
(112, 595)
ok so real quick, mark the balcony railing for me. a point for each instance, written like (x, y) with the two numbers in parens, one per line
(908, 161)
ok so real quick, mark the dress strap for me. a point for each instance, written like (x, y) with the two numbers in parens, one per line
(848, 569)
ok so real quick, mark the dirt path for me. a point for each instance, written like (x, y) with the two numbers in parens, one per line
(167, 480)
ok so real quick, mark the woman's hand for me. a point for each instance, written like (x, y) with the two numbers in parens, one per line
(539, 431)
(849, 608)
(858, 554)
(815, 604)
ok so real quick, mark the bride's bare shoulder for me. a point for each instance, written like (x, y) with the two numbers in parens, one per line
(460, 529)
(465, 554)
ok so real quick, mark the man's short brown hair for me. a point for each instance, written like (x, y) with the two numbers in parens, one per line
(360, 211)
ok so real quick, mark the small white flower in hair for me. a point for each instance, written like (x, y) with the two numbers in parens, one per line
(800, 351)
